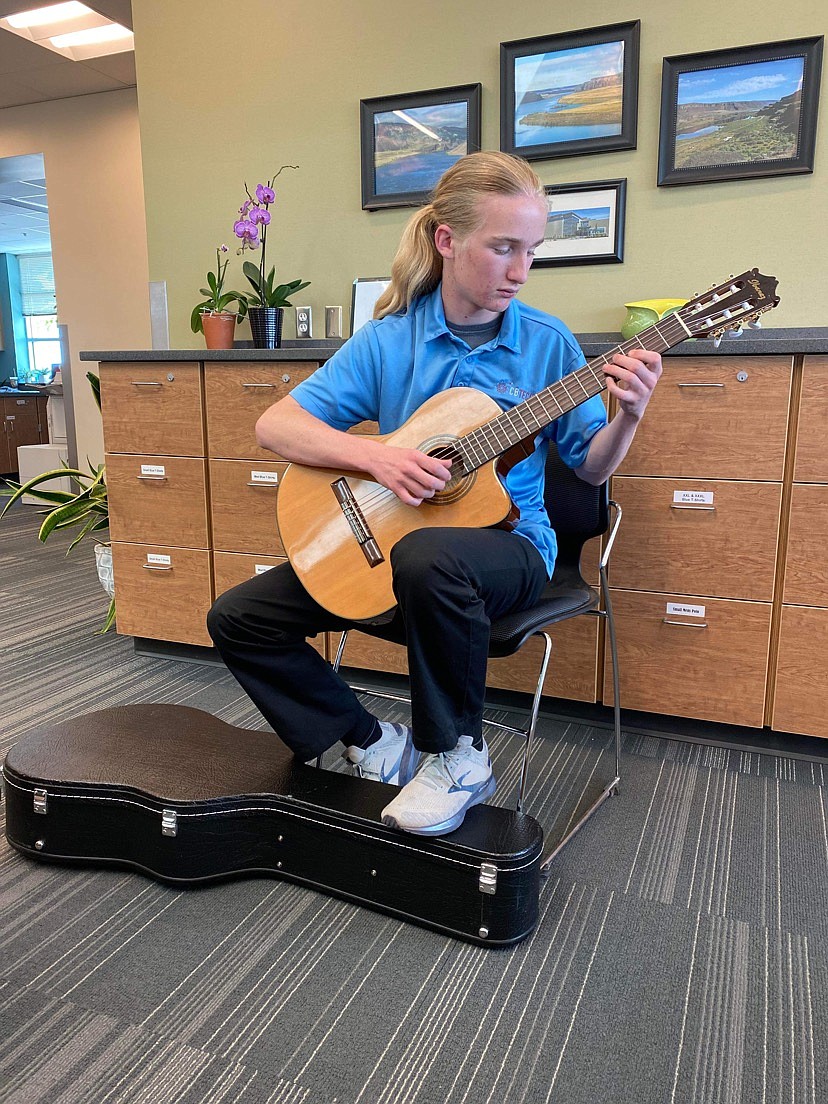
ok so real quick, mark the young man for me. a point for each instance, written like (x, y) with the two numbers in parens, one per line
(450, 318)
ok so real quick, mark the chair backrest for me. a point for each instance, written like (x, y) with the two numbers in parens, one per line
(577, 510)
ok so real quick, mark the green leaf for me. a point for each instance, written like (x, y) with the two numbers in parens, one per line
(59, 517)
(88, 528)
(110, 618)
(95, 384)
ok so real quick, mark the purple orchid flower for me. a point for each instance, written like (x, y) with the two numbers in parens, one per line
(260, 215)
(264, 193)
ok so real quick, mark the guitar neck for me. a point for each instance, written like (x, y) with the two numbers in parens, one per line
(528, 418)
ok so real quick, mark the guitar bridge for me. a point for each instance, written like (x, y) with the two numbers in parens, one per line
(358, 525)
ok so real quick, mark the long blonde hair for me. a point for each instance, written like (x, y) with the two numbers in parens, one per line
(418, 267)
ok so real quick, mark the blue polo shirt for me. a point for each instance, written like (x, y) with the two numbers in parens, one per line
(388, 369)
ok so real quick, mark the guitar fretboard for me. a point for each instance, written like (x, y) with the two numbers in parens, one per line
(528, 418)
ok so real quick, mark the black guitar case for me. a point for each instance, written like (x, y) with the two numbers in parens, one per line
(185, 798)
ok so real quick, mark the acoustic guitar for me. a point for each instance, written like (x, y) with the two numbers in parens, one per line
(338, 527)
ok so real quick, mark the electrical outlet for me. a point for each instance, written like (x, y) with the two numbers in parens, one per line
(333, 321)
(304, 322)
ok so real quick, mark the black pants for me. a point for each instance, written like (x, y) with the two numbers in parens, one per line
(449, 585)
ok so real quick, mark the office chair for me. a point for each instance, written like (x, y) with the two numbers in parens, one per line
(578, 512)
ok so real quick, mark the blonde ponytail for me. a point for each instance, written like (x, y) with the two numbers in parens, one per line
(417, 267)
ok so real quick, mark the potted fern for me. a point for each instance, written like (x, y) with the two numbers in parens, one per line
(84, 508)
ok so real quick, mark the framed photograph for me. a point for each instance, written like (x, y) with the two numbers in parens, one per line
(584, 225)
(572, 93)
(734, 114)
(366, 291)
(409, 141)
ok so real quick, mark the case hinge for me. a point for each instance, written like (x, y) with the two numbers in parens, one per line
(488, 878)
(41, 802)
(169, 822)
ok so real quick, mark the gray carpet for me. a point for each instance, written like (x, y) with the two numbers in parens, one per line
(680, 956)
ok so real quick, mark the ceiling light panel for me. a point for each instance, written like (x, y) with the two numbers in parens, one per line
(72, 30)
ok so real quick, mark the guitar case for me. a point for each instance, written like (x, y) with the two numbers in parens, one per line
(183, 797)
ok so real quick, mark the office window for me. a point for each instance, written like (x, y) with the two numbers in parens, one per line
(39, 309)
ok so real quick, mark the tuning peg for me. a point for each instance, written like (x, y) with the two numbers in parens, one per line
(755, 324)
(717, 339)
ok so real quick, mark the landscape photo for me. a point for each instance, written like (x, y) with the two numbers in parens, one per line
(569, 95)
(739, 114)
(415, 146)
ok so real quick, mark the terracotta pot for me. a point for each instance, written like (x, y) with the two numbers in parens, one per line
(218, 327)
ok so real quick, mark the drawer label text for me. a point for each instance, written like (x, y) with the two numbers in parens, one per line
(157, 558)
(679, 609)
(261, 568)
(693, 498)
(153, 469)
(264, 477)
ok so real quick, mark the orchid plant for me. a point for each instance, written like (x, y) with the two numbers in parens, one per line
(217, 299)
(251, 227)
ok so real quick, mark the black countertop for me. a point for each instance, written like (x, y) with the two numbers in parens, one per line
(770, 342)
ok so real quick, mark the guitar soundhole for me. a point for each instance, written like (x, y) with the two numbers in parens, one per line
(461, 483)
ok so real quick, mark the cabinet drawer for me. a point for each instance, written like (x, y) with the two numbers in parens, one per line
(712, 667)
(231, 568)
(158, 498)
(699, 537)
(800, 702)
(154, 407)
(703, 423)
(806, 569)
(572, 669)
(243, 500)
(163, 593)
(811, 456)
(237, 394)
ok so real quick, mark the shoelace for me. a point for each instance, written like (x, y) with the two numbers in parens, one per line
(437, 770)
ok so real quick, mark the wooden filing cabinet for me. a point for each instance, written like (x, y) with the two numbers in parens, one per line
(154, 436)
(694, 568)
(24, 423)
(243, 505)
(237, 393)
(800, 689)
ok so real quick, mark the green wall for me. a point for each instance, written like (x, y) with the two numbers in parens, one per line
(228, 96)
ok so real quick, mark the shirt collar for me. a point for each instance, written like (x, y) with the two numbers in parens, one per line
(434, 321)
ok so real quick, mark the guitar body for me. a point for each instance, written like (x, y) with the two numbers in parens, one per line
(320, 541)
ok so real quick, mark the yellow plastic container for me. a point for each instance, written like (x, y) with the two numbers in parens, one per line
(646, 312)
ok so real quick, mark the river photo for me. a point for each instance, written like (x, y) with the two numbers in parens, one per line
(415, 146)
(739, 114)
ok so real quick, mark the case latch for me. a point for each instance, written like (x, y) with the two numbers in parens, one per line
(41, 802)
(169, 822)
(488, 878)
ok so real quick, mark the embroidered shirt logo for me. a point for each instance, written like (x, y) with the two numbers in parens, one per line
(507, 387)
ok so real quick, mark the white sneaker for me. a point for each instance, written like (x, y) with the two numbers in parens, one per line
(436, 799)
(391, 759)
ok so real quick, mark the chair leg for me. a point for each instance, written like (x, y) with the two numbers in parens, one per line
(616, 691)
(335, 665)
(533, 718)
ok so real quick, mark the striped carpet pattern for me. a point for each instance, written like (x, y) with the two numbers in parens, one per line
(681, 955)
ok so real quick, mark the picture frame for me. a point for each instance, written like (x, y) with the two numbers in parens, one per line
(408, 141)
(587, 81)
(585, 224)
(364, 294)
(739, 113)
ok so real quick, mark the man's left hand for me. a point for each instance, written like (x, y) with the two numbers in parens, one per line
(632, 379)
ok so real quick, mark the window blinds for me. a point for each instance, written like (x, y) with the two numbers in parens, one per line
(37, 284)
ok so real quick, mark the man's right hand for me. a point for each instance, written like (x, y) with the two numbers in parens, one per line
(412, 475)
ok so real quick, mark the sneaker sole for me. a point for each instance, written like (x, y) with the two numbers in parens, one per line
(454, 822)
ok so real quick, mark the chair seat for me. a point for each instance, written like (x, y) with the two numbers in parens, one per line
(558, 602)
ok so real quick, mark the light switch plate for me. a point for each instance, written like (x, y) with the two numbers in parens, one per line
(333, 321)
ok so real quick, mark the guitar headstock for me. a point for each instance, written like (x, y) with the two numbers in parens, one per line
(739, 300)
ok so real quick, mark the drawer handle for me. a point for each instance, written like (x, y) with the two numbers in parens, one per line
(700, 385)
(689, 506)
(146, 383)
(262, 484)
(685, 624)
(153, 478)
(258, 385)
(157, 567)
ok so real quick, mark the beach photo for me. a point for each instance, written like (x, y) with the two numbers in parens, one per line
(584, 223)
(572, 93)
(409, 141)
(738, 112)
